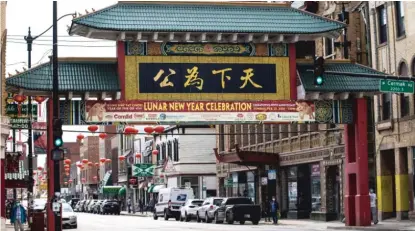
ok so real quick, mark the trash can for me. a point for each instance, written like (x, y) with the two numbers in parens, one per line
(38, 221)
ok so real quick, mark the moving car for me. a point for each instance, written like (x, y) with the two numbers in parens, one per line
(238, 209)
(189, 209)
(69, 219)
(207, 211)
(109, 207)
(170, 201)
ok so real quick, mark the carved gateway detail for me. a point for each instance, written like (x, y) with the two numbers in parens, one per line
(311, 155)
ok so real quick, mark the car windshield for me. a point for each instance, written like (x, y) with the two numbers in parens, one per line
(238, 201)
(198, 203)
(66, 208)
(217, 202)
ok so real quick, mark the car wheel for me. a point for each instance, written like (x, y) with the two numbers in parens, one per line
(216, 219)
(166, 217)
(228, 220)
(207, 219)
(155, 216)
(178, 218)
(75, 226)
(242, 222)
(255, 222)
(198, 218)
(186, 218)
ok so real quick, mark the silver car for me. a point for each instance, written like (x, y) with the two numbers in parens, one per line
(207, 211)
(69, 219)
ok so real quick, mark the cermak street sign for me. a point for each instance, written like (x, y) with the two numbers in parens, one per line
(396, 86)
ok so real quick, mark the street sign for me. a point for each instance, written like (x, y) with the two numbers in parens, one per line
(396, 86)
(143, 170)
(12, 110)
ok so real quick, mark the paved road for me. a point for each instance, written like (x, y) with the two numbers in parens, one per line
(92, 222)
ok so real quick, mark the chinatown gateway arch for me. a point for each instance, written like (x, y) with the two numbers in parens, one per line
(214, 63)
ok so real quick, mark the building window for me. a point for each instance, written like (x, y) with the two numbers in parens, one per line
(158, 155)
(328, 46)
(400, 16)
(404, 105)
(413, 66)
(382, 22)
(221, 138)
(169, 150)
(163, 151)
(386, 106)
(176, 150)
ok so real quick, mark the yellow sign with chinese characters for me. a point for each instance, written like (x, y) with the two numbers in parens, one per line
(206, 78)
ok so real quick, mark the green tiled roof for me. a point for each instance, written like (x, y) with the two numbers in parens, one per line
(339, 83)
(194, 17)
(80, 76)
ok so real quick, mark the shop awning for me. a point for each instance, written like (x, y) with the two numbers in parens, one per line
(251, 158)
(150, 189)
(122, 191)
(157, 188)
(111, 189)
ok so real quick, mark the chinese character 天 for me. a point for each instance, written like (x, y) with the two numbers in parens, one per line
(249, 73)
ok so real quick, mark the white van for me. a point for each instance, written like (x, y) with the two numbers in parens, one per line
(170, 200)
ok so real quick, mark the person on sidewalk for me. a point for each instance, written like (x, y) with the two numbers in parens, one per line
(18, 216)
(274, 210)
(129, 204)
(373, 207)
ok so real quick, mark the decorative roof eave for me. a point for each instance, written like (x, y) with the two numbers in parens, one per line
(192, 36)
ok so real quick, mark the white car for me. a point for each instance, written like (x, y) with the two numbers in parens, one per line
(91, 206)
(189, 209)
(69, 218)
(208, 209)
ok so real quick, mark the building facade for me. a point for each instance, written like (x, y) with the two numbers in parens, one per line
(393, 51)
(90, 151)
(183, 161)
(72, 153)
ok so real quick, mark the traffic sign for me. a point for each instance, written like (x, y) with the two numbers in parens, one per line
(396, 86)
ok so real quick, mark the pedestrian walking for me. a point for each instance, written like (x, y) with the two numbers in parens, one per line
(141, 205)
(129, 204)
(18, 216)
(373, 209)
(274, 210)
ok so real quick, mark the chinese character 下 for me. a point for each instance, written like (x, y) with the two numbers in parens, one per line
(223, 75)
(166, 82)
(248, 75)
(193, 79)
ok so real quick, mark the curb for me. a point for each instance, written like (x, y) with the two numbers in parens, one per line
(134, 215)
(369, 228)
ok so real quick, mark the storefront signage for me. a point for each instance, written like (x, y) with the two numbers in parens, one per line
(143, 170)
(169, 112)
(315, 170)
(207, 78)
(272, 174)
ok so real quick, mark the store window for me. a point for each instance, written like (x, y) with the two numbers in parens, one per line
(315, 187)
(235, 184)
(251, 185)
(192, 182)
(292, 188)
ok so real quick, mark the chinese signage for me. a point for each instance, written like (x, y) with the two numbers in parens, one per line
(187, 78)
(169, 112)
(207, 78)
(18, 114)
(143, 170)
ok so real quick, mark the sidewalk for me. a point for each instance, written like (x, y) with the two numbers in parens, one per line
(10, 227)
(137, 214)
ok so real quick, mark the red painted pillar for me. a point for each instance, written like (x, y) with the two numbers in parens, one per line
(121, 66)
(49, 161)
(356, 200)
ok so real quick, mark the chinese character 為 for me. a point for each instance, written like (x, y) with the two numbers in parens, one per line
(248, 75)
(223, 75)
(193, 79)
(166, 82)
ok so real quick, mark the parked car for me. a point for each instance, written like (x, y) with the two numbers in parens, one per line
(238, 209)
(86, 204)
(91, 206)
(69, 219)
(189, 209)
(170, 201)
(206, 212)
(96, 206)
(109, 207)
(77, 206)
(81, 206)
(73, 202)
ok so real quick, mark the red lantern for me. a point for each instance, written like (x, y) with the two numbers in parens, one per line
(96, 164)
(155, 152)
(90, 163)
(138, 155)
(19, 98)
(10, 138)
(161, 176)
(102, 160)
(92, 128)
(121, 158)
(130, 131)
(65, 183)
(70, 181)
(67, 173)
(67, 167)
(85, 161)
(107, 160)
(82, 167)
(67, 170)
(83, 180)
(67, 161)
(39, 168)
(102, 135)
(95, 177)
(159, 129)
(44, 173)
(80, 137)
(34, 173)
(132, 181)
(149, 130)
(39, 99)
(79, 165)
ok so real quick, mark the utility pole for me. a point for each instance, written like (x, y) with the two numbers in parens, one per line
(345, 41)
(55, 98)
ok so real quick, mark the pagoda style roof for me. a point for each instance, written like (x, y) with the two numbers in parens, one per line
(93, 77)
(336, 86)
(202, 21)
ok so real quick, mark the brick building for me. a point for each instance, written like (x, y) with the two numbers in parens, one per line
(106, 147)
(90, 151)
(393, 51)
(72, 153)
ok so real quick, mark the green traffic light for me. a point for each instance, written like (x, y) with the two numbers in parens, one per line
(319, 80)
(58, 142)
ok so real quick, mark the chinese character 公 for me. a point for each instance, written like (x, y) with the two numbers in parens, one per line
(166, 82)
(193, 79)
(248, 75)
(223, 75)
